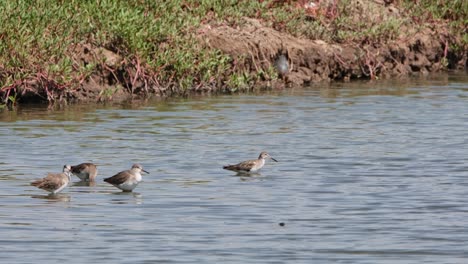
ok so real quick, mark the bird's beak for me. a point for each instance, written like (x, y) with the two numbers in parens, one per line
(144, 171)
(273, 159)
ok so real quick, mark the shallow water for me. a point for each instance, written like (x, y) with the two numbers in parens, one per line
(367, 173)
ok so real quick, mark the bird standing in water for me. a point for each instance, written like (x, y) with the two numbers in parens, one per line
(85, 171)
(54, 182)
(127, 180)
(250, 165)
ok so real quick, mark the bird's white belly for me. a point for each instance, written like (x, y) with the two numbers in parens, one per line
(60, 188)
(257, 166)
(254, 169)
(128, 185)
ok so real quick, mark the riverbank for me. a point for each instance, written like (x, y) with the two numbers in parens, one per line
(116, 50)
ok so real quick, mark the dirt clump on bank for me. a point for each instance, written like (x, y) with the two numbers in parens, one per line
(413, 52)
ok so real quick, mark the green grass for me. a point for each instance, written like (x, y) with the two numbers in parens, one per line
(38, 39)
(454, 12)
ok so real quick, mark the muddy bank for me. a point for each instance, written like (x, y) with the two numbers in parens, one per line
(415, 49)
(315, 60)
(262, 53)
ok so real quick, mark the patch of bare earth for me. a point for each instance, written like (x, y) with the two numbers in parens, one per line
(413, 52)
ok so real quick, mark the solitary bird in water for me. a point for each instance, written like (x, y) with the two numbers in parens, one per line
(85, 171)
(54, 182)
(127, 180)
(250, 165)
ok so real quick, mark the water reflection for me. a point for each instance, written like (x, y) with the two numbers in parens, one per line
(247, 174)
(249, 178)
(369, 171)
(60, 197)
(126, 197)
(400, 87)
(84, 183)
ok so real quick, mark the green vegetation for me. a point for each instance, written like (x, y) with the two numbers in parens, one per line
(41, 41)
(337, 22)
(455, 12)
(452, 10)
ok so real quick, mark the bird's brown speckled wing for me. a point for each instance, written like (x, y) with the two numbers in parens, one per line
(119, 178)
(243, 166)
(50, 182)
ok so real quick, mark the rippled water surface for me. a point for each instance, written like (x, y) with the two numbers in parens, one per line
(367, 173)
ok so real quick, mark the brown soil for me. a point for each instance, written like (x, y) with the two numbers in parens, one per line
(255, 47)
(316, 60)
